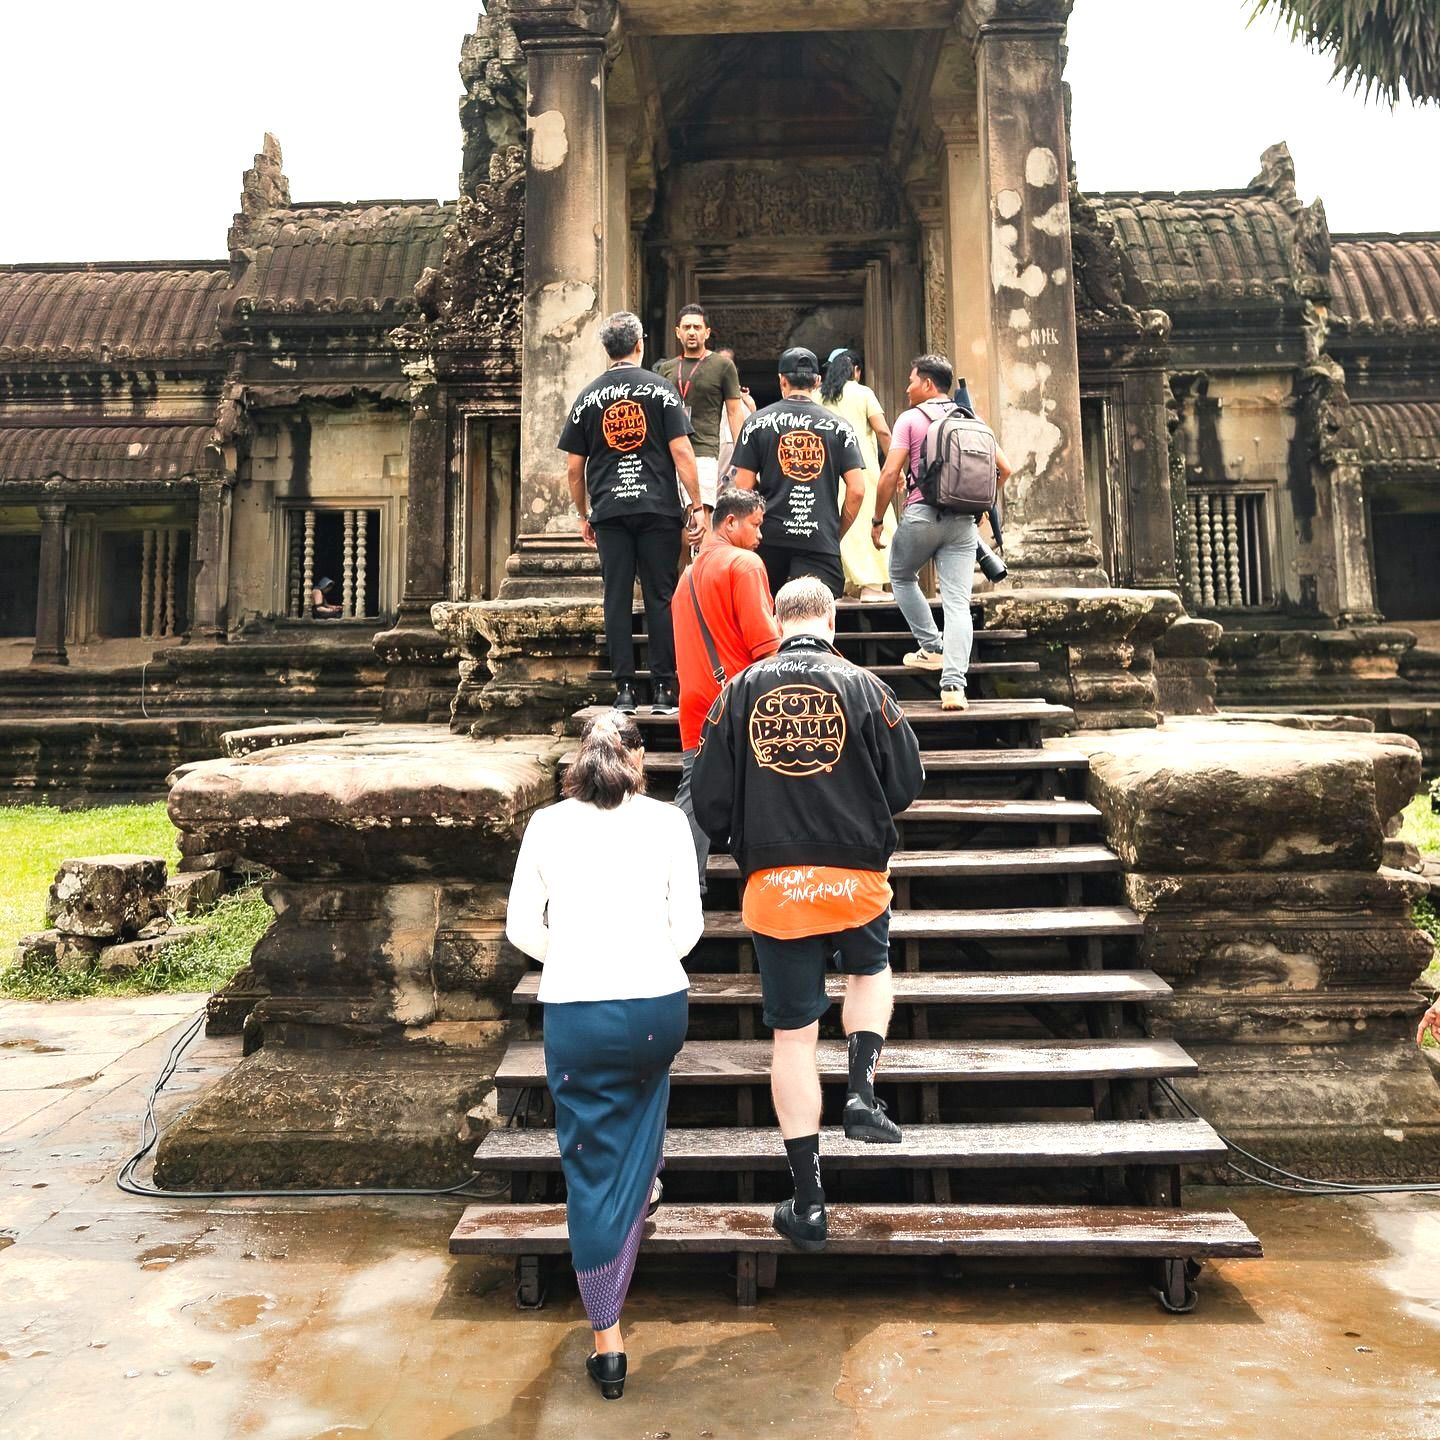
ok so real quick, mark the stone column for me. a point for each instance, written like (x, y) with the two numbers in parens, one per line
(208, 621)
(420, 673)
(967, 306)
(565, 275)
(50, 599)
(1035, 405)
(1146, 475)
(1354, 574)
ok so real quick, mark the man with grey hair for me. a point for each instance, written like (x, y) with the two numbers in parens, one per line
(804, 761)
(628, 439)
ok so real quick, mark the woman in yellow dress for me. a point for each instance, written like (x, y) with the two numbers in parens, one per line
(867, 569)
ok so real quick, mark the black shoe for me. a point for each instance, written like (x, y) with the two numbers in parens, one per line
(625, 698)
(664, 701)
(869, 1122)
(657, 1194)
(608, 1372)
(804, 1229)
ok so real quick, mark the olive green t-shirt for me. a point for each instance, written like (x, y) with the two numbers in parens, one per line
(704, 386)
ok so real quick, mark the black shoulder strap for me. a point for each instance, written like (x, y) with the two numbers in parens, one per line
(716, 668)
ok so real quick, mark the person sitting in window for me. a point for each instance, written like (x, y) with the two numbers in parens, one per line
(322, 600)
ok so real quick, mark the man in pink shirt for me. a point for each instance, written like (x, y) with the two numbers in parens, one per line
(925, 533)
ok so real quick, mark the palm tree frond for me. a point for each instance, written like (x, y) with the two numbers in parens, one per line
(1388, 48)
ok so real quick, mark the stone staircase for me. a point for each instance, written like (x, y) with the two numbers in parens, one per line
(1019, 1061)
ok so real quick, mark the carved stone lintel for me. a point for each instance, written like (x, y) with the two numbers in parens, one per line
(548, 22)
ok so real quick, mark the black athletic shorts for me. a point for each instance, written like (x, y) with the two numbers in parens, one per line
(783, 563)
(792, 972)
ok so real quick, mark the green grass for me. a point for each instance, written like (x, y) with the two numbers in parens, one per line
(203, 963)
(1422, 825)
(34, 839)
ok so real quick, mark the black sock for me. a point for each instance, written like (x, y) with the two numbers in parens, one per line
(865, 1047)
(804, 1157)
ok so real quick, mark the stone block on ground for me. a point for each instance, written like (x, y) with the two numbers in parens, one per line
(382, 802)
(107, 897)
(1222, 795)
(76, 954)
(377, 1115)
(131, 954)
(193, 891)
(38, 948)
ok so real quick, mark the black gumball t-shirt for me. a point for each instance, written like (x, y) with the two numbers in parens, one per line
(623, 423)
(799, 451)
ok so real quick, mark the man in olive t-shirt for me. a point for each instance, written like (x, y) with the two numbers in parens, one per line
(797, 453)
(708, 383)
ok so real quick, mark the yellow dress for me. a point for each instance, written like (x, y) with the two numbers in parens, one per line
(864, 564)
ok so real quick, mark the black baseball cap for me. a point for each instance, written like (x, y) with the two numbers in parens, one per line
(798, 363)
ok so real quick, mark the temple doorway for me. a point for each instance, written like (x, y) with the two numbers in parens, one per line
(779, 200)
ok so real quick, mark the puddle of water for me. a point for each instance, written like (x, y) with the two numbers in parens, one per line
(229, 1312)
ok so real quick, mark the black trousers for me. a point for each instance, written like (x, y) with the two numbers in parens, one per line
(650, 546)
(783, 563)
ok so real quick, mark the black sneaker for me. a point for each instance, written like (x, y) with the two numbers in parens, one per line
(804, 1229)
(625, 698)
(664, 701)
(869, 1122)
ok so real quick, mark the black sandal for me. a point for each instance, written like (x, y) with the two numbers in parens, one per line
(608, 1372)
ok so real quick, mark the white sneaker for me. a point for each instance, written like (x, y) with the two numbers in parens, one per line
(924, 660)
(953, 700)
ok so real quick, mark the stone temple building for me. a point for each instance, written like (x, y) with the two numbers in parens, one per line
(1206, 392)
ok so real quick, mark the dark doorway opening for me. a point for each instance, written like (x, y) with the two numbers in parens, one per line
(1407, 579)
(144, 590)
(20, 565)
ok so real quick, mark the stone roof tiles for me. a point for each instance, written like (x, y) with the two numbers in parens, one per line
(1398, 432)
(340, 259)
(1207, 246)
(1386, 285)
(110, 313)
(103, 452)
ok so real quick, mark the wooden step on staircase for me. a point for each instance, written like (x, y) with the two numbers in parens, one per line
(1020, 1064)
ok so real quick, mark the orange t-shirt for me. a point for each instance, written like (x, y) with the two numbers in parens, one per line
(793, 901)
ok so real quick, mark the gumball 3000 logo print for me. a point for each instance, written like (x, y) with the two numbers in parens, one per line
(623, 425)
(801, 455)
(797, 730)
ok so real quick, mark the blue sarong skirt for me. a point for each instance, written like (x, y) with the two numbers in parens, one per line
(607, 1063)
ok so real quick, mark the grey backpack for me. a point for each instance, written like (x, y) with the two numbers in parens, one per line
(957, 471)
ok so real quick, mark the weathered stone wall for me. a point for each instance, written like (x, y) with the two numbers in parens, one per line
(316, 455)
(1254, 853)
(387, 973)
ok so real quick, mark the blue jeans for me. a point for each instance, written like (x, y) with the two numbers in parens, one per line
(924, 534)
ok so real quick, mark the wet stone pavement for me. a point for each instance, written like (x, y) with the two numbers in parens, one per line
(317, 1320)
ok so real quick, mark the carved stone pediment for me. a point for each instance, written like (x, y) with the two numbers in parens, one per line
(473, 300)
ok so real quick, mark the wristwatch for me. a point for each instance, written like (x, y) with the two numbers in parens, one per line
(880, 521)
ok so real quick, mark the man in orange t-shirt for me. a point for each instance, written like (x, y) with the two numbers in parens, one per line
(732, 592)
(805, 760)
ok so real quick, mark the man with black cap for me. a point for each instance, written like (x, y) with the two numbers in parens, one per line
(799, 453)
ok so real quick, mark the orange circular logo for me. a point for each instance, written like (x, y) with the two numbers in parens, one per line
(623, 425)
(802, 456)
(797, 730)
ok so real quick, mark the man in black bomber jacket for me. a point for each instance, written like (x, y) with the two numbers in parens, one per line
(804, 760)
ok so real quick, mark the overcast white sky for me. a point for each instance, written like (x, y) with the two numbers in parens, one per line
(126, 127)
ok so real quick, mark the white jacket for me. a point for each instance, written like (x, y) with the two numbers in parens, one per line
(608, 900)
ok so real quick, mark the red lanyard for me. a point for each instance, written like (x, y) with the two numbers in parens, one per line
(683, 384)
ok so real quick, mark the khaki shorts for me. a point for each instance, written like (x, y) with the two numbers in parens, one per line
(707, 471)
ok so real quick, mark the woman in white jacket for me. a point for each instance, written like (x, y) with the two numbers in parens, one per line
(606, 896)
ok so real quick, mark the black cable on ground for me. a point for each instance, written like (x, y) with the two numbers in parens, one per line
(1306, 1184)
(150, 1135)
